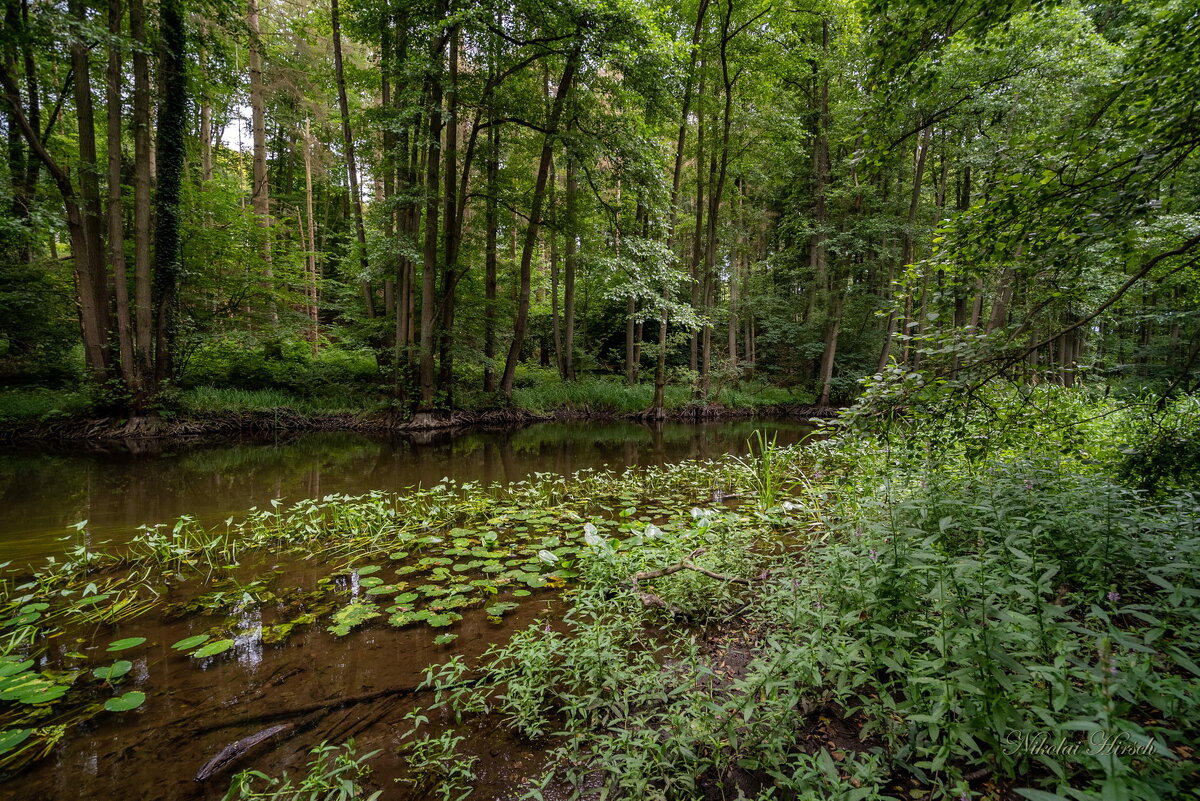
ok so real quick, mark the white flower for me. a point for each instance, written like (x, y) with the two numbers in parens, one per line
(652, 531)
(547, 557)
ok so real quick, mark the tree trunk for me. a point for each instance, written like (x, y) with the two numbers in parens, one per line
(310, 259)
(660, 366)
(569, 260)
(360, 231)
(433, 163)
(491, 221)
(450, 239)
(143, 321)
(172, 126)
(908, 252)
(116, 206)
(89, 261)
(259, 191)
(535, 218)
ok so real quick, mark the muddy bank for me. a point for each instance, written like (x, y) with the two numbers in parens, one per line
(287, 420)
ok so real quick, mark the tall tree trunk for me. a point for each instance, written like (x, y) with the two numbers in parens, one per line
(360, 231)
(660, 366)
(908, 251)
(450, 239)
(535, 219)
(697, 254)
(172, 126)
(116, 206)
(433, 163)
(206, 131)
(89, 263)
(630, 332)
(310, 259)
(259, 191)
(142, 290)
(555, 326)
(491, 222)
(569, 261)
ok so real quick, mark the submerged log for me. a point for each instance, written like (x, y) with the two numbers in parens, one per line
(236, 750)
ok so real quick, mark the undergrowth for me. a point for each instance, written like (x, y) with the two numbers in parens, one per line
(987, 619)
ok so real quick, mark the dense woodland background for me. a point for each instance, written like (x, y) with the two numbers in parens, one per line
(428, 205)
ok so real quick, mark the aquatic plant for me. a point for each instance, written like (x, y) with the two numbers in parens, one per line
(334, 774)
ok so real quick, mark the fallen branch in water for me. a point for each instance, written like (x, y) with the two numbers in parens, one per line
(321, 706)
(650, 599)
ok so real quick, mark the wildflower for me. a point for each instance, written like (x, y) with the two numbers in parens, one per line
(1028, 485)
(874, 554)
(1113, 596)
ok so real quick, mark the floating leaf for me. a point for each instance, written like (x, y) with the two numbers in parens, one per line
(370, 581)
(114, 671)
(352, 615)
(190, 642)
(123, 703)
(368, 570)
(213, 648)
(8, 667)
(502, 608)
(11, 738)
(521, 593)
(444, 639)
(444, 619)
(128, 642)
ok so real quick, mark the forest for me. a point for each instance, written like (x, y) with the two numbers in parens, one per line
(419, 207)
(662, 400)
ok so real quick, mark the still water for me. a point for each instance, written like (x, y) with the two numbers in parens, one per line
(118, 487)
(363, 685)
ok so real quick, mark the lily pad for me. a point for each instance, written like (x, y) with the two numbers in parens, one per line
(11, 738)
(114, 671)
(352, 615)
(444, 639)
(444, 619)
(123, 703)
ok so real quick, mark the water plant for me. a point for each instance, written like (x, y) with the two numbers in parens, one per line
(334, 774)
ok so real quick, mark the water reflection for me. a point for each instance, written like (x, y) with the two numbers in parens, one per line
(117, 487)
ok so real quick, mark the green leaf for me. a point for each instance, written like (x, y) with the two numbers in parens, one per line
(114, 671)
(11, 738)
(128, 642)
(190, 642)
(123, 703)
(352, 615)
(212, 649)
(444, 639)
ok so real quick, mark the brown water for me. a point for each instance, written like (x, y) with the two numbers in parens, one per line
(118, 487)
(195, 709)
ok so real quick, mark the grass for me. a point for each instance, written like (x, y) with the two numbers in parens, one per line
(610, 394)
(43, 405)
(544, 393)
(213, 400)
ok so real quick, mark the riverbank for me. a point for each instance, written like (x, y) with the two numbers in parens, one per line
(284, 419)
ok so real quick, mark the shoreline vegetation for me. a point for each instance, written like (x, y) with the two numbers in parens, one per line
(54, 415)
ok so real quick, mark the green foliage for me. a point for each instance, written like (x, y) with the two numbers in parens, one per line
(334, 774)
